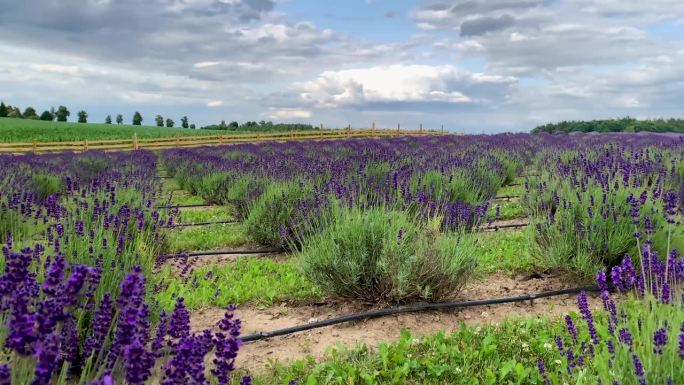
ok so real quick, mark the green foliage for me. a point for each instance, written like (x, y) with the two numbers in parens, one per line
(184, 122)
(170, 123)
(260, 281)
(380, 255)
(206, 238)
(137, 118)
(626, 124)
(23, 130)
(46, 184)
(261, 126)
(579, 243)
(62, 114)
(506, 251)
(47, 116)
(489, 354)
(3, 110)
(641, 317)
(82, 117)
(30, 113)
(119, 119)
(108, 119)
(159, 120)
(283, 216)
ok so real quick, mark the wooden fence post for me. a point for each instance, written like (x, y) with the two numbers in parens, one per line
(85, 144)
(421, 128)
(291, 134)
(136, 145)
(442, 129)
(177, 139)
(373, 130)
(321, 132)
(221, 139)
(398, 129)
(35, 147)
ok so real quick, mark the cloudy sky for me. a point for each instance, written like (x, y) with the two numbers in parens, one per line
(471, 65)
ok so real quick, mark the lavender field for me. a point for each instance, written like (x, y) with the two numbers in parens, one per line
(170, 267)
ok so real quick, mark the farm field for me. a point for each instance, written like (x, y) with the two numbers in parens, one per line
(174, 266)
(26, 130)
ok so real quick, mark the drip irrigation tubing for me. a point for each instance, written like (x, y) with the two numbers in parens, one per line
(186, 206)
(506, 226)
(226, 252)
(506, 197)
(230, 222)
(414, 309)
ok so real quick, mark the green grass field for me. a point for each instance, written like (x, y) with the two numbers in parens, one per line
(26, 130)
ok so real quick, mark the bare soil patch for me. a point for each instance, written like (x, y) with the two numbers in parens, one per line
(256, 356)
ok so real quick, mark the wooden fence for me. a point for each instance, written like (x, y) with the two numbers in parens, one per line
(177, 141)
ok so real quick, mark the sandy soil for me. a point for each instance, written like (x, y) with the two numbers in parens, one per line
(256, 356)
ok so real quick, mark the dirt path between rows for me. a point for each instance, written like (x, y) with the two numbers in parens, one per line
(256, 356)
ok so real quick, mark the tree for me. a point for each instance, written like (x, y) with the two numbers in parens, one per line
(62, 114)
(47, 116)
(82, 117)
(137, 119)
(108, 119)
(160, 121)
(234, 125)
(192, 126)
(169, 123)
(3, 110)
(30, 113)
(184, 122)
(119, 119)
(14, 113)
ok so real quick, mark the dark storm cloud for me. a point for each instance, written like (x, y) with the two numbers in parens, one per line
(482, 25)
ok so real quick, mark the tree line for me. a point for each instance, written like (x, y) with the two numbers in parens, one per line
(62, 113)
(626, 124)
(260, 126)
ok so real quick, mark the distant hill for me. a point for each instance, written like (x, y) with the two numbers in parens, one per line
(614, 125)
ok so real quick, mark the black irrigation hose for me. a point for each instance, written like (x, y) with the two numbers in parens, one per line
(506, 226)
(222, 252)
(186, 206)
(506, 196)
(414, 309)
(205, 223)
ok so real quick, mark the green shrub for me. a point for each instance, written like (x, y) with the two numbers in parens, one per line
(46, 184)
(286, 214)
(380, 255)
(581, 243)
(242, 192)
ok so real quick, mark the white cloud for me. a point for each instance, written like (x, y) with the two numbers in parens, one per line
(289, 113)
(395, 83)
(56, 68)
(214, 103)
(206, 64)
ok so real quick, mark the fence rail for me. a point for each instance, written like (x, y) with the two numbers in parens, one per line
(177, 141)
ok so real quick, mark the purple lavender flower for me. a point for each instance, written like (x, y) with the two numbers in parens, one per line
(179, 322)
(659, 340)
(681, 343)
(5, 378)
(572, 330)
(47, 355)
(625, 337)
(542, 371)
(638, 366)
(583, 305)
